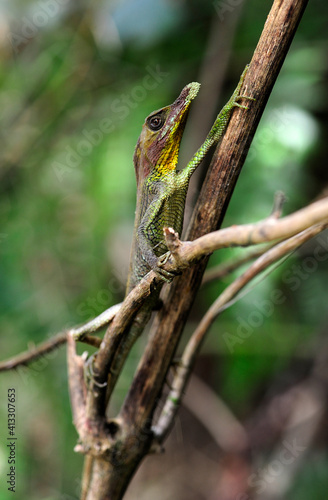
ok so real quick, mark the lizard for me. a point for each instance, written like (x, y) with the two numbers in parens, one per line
(161, 188)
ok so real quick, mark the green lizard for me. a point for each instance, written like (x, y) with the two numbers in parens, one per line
(161, 189)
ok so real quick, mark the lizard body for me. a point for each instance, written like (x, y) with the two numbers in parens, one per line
(161, 189)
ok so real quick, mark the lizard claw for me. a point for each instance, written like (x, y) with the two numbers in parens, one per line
(237, 105)
(166, 275)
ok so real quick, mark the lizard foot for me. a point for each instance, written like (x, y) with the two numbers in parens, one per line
(89, 373)
(166, 275)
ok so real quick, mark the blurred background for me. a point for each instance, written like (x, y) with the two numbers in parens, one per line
(77, 81)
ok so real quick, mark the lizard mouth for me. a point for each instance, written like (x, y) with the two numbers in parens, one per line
(178, 111)
(189, 92)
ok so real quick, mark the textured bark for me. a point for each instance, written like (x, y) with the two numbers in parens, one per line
(109, 482)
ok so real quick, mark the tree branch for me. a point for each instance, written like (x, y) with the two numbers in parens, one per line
(219, 272)
(33, 354)
(184, 253)
(180, 380)
(217, 189)
(264, 231)
(27, 357)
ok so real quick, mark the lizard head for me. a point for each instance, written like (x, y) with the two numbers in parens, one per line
(159, 142)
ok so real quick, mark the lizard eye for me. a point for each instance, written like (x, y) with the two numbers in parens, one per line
(155, 122)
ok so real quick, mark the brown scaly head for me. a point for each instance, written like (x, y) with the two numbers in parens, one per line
(157, 148)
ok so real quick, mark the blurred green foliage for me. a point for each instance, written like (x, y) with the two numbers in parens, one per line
(77, 81)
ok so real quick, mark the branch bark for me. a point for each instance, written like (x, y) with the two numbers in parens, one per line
(180, 380)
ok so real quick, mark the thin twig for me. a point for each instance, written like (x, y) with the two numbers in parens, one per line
(28, 357)
(264, 231)
(222, 270)
(31, 355)
(183, 371)
(79, 333)
(77, 387)
(226, 430)
(95, 324)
